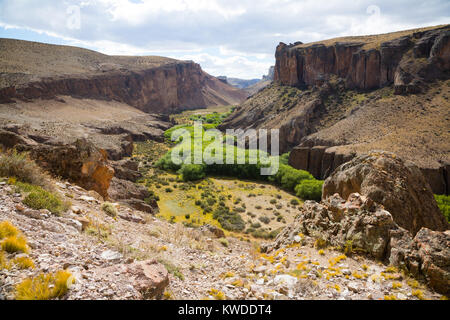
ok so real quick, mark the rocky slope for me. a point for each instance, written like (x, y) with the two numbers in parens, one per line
(329, 108)
(136, 256)
(380, 205)
(152, 84)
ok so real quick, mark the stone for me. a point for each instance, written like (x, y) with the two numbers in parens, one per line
(110, 255)
(434, 253)
(149, 278)
(217, 232)
(389, 181)
(84, 222)
(76, 224)
(76, 210)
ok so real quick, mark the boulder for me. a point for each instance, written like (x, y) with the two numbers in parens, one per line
(149, 278)
(434, 253)
(123, 189)
(80, 162)
(396, 184)
(358, 221)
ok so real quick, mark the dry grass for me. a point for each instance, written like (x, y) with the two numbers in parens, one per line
(21, 167)
(45, 286)
(15, 244)
(7, 230)
(42, 59)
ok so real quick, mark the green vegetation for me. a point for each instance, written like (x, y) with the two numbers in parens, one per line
(287, 177)
(37, 198)
(309, 190)
(229, 220)
(109, 209)
(21, 167)
(444, 205)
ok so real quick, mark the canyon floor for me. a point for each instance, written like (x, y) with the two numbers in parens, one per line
(202, 263)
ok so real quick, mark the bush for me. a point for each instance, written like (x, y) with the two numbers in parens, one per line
(44, 286)
(109, 209)
(264, 219)
(310, 190)
(7, 230)
(444, 205)
(229, 220)
(15, 244)
(295, 202)
(37, 198)
(288, 178)
(192, 172)
(24, 263)
(20, 166)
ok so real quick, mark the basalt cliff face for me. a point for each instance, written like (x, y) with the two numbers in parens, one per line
(151, 84)
(342, 97)
(404, 59)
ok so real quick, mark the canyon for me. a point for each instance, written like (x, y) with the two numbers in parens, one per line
(337, 98)
(151, 84)
(369, 115)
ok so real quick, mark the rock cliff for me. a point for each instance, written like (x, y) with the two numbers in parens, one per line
(405, 59)
(151, 84)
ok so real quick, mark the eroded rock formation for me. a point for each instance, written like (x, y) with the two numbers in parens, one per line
(406, 61)
(151, 84)
(395, 197)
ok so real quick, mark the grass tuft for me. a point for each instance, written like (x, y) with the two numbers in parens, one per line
(15, 244)
(45, 286)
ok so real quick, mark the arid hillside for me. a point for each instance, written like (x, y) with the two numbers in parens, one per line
(31, 70)
(326, 118)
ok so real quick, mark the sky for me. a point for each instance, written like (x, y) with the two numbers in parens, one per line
(234, 38)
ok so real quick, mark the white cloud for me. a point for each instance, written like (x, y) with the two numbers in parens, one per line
(228, 37)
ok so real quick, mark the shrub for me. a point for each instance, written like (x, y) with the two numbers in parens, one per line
(288, 177)
(109, 209)
(20, 166)
(444, 205)
(264, 219)
(7, 230)
(192, 172)
(44, 286)
(15, 244)
(23, 263)
(295, 202)
(310, 190)
(41, 199)
(229, 220)
(224, 242)
(4, 264)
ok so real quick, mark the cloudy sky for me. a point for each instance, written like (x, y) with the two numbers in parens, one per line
(236, 38)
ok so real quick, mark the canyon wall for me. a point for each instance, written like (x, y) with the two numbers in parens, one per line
(407, 61)
(163, 89)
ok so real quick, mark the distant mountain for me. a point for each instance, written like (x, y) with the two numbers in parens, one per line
(239, 83)
(250, 86)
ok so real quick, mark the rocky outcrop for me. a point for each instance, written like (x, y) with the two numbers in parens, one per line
(149, 278)
(396, 184)
(389, 214)
(358, 221)
(367, 63)
(320, 161)
(79, 162)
